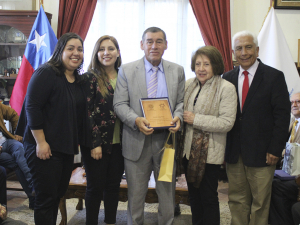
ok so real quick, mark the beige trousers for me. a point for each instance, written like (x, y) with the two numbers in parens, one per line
(249, 193)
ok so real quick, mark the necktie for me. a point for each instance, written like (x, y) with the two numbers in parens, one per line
(245, 87)
(152, 86)
(293, 131)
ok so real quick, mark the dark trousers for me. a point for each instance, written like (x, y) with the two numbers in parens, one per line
(204, 200)
(50, 180)
(284, 196)
(12, 157)
(16, 150)
(296, 213)
(3, 199)
(103, 183)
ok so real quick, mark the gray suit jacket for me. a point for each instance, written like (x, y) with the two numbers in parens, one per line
(131, 86)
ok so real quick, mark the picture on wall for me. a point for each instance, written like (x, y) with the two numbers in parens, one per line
(287, 4)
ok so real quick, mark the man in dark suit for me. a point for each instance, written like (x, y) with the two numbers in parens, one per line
(284, 208)
(255, 143)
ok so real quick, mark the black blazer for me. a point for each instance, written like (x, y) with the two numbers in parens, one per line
(50, 105)
(263, 125)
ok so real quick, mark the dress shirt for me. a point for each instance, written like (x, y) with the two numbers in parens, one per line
(162, 90)
(251, 71)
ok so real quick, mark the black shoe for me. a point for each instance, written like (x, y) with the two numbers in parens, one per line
(177, 210)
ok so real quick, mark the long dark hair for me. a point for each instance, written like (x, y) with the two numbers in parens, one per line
(97, 68)
(56, 59)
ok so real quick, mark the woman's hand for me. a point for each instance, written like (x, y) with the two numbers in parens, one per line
(43, 150)
(3, 212)
(188, 117)
(96, 153)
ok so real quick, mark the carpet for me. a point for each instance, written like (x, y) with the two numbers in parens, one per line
(75, 217)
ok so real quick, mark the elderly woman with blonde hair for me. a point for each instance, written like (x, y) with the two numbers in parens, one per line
(210, 104)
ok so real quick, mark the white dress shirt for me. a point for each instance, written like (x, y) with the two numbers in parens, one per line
(251, 71)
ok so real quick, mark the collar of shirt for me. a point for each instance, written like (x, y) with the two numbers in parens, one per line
(251, 70)
(162, 89)
(149, 66)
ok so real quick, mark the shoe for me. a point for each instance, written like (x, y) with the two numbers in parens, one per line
(177, 211)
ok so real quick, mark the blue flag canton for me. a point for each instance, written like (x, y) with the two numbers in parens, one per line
(41, 42)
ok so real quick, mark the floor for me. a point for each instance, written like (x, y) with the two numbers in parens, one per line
(15, 198)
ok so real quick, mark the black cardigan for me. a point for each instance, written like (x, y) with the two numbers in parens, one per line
(50, 105)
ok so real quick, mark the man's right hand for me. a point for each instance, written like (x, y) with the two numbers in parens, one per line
(43, 150)
(142, 124)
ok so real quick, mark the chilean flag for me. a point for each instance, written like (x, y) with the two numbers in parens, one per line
(39, 48)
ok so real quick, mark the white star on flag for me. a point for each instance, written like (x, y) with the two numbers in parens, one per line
(38, 41)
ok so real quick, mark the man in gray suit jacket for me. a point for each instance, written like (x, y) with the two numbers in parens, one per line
(141, 145)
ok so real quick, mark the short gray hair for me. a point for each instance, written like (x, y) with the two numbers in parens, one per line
(243, 34)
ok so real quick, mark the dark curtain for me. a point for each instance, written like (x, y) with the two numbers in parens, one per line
(213, 17)
(75, 16)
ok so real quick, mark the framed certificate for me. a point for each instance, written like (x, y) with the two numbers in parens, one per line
(158, 112)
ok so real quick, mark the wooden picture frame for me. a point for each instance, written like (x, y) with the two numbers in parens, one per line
(298, 63)
(287, 4)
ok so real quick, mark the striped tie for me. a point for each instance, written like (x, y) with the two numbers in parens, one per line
(152, 85)
(293, 131)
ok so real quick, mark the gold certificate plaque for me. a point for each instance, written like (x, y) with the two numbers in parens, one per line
(158, 112)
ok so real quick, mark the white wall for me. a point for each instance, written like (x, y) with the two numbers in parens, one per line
(250, 15)
(51, 6)
(245, 15)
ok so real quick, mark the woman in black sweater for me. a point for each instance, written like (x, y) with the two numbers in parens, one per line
(56, 123)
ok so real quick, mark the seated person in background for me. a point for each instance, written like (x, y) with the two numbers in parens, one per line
(3, 213)
(12, 156)
(284, 208)
(3, 200)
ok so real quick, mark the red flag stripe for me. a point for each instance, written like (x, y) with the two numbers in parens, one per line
(20, 87)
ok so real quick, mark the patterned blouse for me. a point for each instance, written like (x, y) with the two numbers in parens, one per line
(100, 112)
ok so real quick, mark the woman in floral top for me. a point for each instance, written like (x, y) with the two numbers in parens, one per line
(104, 163)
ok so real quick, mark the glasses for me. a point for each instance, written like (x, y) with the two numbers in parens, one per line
(297, 102)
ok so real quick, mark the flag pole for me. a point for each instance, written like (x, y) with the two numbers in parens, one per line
(271, 5)
(41, 4)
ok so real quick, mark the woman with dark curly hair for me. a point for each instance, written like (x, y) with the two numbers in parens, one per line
(56, 123)
(104, 163)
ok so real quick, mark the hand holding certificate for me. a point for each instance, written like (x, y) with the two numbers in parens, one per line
(158, 112)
